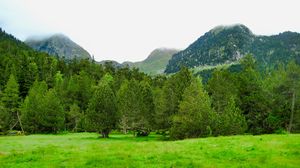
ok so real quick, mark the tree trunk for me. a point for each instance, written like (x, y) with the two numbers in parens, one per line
(75, 127)
(105, 133)
(292, 112)
(20, 123)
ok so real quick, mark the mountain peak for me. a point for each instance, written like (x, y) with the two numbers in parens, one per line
(59, 45)
(233, 27)
(161, 52)
(227, 44)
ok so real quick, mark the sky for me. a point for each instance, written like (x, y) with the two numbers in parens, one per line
(128, 30)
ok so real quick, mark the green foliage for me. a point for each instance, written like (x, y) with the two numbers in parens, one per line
(10, 104)
(195, 115)
(52, 117)
(82, 95)
(173, 90)
(231, 121)
(75, 117)
(42, 110)
(284, 87)
(222, 87)
(32, 108)
(102, 111)
(253, 100)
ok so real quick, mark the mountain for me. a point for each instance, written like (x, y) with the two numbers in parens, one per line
(112, 62)
(227, 44)
(156, 62)
(58, 45)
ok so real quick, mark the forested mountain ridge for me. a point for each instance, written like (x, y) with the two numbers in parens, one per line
(58, 45)
(226, 44)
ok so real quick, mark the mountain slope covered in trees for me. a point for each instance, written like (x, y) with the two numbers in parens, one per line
(227, 44)
(58, 45)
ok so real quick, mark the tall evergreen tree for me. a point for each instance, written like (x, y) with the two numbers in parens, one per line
(222, 87)
(173, 93)
(286, 103)
(53, 116)
(10, 102)
(231, 121)
(32, 108)
(253, 100)
(195, 116)
(130, 106)
(102, 111)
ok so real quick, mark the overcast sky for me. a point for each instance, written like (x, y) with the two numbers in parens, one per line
(128, 30)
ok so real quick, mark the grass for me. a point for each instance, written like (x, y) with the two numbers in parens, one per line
(87, 150)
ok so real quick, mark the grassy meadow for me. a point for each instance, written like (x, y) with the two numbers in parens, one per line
(87, 150)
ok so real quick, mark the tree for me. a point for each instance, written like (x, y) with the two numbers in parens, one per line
(3, 119)
(253, 101)
(74, 116)
(173, 90)
(231, 121)
(52, 119)
(129, 105)
(10, 102)
(292, 90)
(195, 115)
(32, 107)
(161, 119)
(146, 117)
(102, 111)
(286, 101)
(222, 87)
(42, 110)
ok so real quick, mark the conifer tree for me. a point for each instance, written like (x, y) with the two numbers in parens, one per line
(102, 111)
(32, 107)
(10, 103)
(231, 120)
(195, 116)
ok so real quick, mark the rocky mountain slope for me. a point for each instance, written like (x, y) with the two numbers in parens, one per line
(58, 45)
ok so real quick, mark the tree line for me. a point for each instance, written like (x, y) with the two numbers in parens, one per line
(179, 105)
(43, 94)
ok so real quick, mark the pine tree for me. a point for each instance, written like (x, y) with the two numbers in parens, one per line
(32, 108)
(161, 119)
(52, 118)
(222, 87)
(147, 112)
(10, 101)
(231, 121)
(102, 111)
(253, 101)
(75, 117)
(130, 105)
(173, 90)
(195, 115)
(285, 114)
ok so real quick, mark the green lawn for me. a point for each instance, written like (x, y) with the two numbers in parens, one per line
(86, 150)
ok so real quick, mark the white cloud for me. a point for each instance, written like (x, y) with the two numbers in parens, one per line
(129, 30)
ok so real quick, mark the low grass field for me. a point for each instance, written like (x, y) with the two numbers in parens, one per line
(87, 150)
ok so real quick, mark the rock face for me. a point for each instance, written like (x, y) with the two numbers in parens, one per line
(58, 45)
(226, 44)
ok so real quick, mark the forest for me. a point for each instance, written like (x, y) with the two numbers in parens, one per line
(44, 94)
